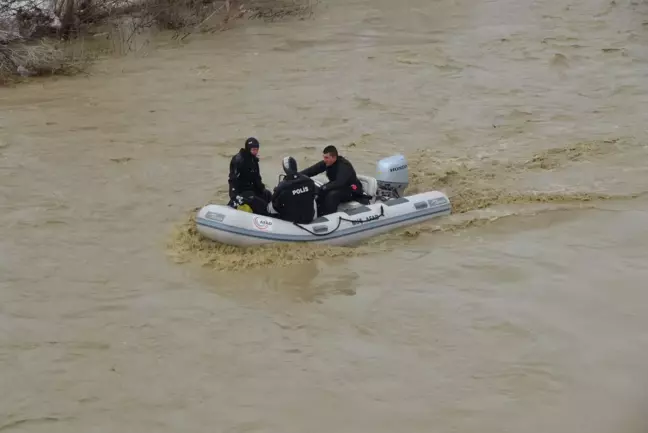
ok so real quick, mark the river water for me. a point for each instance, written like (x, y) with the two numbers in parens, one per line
(522, 312)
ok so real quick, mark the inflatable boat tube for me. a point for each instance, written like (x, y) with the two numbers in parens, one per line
(350, 226)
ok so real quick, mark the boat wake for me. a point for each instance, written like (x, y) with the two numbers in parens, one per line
(481, 192)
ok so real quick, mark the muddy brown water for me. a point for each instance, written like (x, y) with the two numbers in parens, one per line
(522, 312)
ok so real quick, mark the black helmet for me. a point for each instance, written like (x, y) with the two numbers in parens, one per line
(290, 165)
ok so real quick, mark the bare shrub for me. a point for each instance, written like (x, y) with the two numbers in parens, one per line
(28, 18)
(37, 59)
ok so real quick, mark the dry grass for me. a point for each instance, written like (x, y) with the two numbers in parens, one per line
(280, 9)
(186, 17)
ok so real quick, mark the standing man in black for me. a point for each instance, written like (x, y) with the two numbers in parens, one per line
(343, 183)
(294, 198)
(245, 183)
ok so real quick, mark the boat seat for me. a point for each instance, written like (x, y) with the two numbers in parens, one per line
(369, 185)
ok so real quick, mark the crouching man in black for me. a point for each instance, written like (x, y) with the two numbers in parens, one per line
(294, 198)
(245, 184)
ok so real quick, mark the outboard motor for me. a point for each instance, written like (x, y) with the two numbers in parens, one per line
(392, 176)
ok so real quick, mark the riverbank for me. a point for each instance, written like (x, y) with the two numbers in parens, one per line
(72, 49)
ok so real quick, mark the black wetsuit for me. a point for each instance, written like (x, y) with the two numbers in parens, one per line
(342, 187)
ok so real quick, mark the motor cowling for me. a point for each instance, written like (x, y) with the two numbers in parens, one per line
(392, 176)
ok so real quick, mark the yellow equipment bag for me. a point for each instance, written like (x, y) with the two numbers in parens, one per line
(244, 208)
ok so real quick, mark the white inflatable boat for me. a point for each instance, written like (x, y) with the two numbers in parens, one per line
(384, 210)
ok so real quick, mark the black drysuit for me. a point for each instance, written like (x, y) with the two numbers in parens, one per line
(245, 183)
